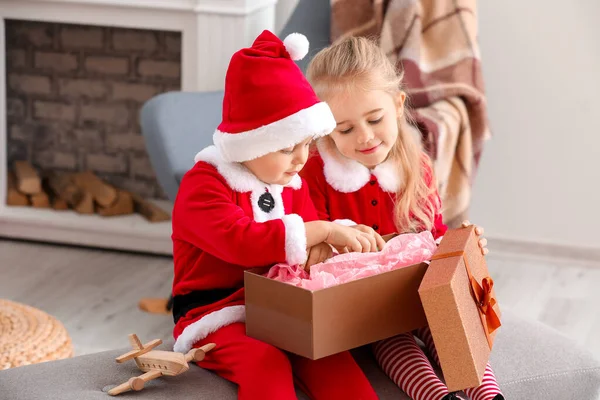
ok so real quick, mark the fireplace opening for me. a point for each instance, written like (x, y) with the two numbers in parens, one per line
(73, 97)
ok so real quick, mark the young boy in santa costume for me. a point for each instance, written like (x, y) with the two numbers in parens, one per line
(243, 205)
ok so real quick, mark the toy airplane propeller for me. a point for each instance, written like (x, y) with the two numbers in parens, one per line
(156, 363)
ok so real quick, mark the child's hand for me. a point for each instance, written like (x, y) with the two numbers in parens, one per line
(370, 231)
(479, 232)
(318, 254)
(353, 239)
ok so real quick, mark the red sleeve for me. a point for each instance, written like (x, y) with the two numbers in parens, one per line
(439, 228)
(206, 216)
(317, 186)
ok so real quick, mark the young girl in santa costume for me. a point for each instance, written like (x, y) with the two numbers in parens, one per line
(243, 205)
(371, 173)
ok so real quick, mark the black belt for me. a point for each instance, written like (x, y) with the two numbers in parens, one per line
(183, 303)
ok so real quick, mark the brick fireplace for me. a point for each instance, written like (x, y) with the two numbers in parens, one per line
(74, 94)
(76, 75)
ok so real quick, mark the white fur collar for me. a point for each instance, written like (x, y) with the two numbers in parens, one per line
(237, 176)
(347, 176)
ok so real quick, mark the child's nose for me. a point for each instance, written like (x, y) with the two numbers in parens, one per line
(300, 156)
(364, 135)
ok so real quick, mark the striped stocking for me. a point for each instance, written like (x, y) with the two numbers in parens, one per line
(404, 362)
(488, 390)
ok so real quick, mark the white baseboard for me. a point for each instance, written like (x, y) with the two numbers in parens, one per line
(540, 250)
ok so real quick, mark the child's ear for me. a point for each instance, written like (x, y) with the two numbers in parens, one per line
(400, 99)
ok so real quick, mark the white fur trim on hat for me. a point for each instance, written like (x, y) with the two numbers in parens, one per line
(314, 121)
(295, 239)
(296, 45)
(208, 324)
(347, 176)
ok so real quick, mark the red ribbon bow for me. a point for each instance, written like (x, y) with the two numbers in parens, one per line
(482, 293)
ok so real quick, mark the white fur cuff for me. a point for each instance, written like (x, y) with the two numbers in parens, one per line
(345, 222)
(295, 239)
(208, 324)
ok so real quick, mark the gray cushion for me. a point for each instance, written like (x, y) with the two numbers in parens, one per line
(531, 361)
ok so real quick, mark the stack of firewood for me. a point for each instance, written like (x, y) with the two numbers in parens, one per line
(83, 192)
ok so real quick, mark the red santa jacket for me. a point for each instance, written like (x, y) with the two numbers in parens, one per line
(345, 191)
(225, 220)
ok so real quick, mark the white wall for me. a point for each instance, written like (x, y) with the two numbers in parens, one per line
(540, 175)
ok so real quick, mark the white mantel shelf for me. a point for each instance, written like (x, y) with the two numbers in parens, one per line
(226, 7)
(211, 31)
(128, 232)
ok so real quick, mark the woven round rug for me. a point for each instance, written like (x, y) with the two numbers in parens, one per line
(30, 336)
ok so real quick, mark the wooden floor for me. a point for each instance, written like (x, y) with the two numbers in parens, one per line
(95, 293)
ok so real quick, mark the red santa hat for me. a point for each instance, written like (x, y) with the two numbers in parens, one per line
(269, 105)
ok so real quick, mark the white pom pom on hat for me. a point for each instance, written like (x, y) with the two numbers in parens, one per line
(296, 45)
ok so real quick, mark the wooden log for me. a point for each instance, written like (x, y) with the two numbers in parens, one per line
(56, 202)
(13, 196)
(28, 180)
(86, 205)
(59, 204)
(150, 211)
(154, 305)
(103, 193)
(64, 188)
(122, 206)
(40, 200)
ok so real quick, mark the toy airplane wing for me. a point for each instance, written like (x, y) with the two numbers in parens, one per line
(138, 348)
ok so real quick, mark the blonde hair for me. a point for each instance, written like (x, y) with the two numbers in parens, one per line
(359, 62)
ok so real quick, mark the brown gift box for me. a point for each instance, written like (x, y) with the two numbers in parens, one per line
(316, 324)
(458, 323)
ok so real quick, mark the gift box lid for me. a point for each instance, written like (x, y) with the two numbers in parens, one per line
(459, 302)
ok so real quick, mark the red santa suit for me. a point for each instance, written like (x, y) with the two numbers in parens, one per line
(345, 191)
(225, 220)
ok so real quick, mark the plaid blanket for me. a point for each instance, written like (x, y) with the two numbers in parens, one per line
(435, 42)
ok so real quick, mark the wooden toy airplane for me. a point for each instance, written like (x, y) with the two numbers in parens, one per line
(156, 363)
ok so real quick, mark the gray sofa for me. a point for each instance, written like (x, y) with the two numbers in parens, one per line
(531, 361)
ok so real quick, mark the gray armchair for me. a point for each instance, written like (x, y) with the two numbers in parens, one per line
(176, 126)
